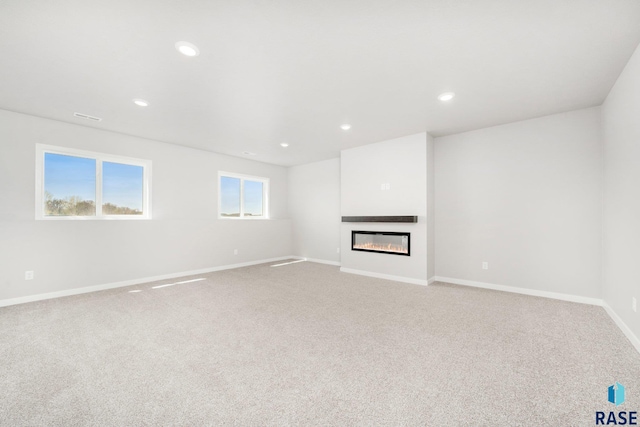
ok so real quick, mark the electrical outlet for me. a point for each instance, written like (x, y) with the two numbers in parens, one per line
(235, 252)
(28, 275)
(337, 250)
(634, 304)
(485, 265)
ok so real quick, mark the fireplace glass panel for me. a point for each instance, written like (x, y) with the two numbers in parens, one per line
(382, 242)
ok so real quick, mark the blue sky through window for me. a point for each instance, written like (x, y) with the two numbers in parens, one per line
(230, 196)
(122, 185)
(252, 198)
(67, 176)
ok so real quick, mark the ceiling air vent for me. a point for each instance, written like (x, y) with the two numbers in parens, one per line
(85, 116)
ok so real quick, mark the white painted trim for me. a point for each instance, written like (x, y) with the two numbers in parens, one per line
(623, 326)
(554, 295)
(87, 289)
(100, 158)
(524, 291)
(385, 276)
(431, 280)
(243, 178)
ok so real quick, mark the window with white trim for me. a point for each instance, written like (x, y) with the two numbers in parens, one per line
(78, 184)
(242, 196)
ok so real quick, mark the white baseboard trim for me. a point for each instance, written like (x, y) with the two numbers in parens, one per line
(431, 280)
(384, 276)
(103, 287)
(524, 291)
(623, 326)
(554, 295)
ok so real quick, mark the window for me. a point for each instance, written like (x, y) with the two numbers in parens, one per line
(242, 196)
(75, 184)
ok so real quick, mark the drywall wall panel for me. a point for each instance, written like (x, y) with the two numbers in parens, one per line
(526, 198)
(386, 179)
(431, 208)
(183, 235)
(314, 206)
(621, 138)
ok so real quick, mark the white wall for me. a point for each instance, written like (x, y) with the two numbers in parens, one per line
(525, 197)
(183, 235)
(431, 206)
(314, 206)
(621, 136)
(402, 163)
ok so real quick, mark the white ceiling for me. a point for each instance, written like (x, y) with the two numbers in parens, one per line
(293, 71)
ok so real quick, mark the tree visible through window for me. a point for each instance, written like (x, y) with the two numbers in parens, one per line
(243, 196)
(91, 185)
(122, 189)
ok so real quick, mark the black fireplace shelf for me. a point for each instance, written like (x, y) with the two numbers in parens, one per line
(379, 219)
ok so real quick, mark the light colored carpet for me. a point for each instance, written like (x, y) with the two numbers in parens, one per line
(304, 344)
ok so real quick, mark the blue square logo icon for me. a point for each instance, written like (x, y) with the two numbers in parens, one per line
(616, 394)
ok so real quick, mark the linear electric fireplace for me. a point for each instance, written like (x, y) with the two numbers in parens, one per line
(382, 242)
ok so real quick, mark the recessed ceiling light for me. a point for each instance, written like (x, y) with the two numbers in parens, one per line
(187, 49)
(447, 96)
(141, 102)
(284, 144)
(345, 126)
(248, 153)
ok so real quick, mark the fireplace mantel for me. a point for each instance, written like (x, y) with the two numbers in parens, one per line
(380, 219)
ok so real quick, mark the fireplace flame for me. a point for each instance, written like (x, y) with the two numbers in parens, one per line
(387, 247)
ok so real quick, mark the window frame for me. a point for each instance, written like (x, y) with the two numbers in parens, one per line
(243, 177)
(43, 149)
